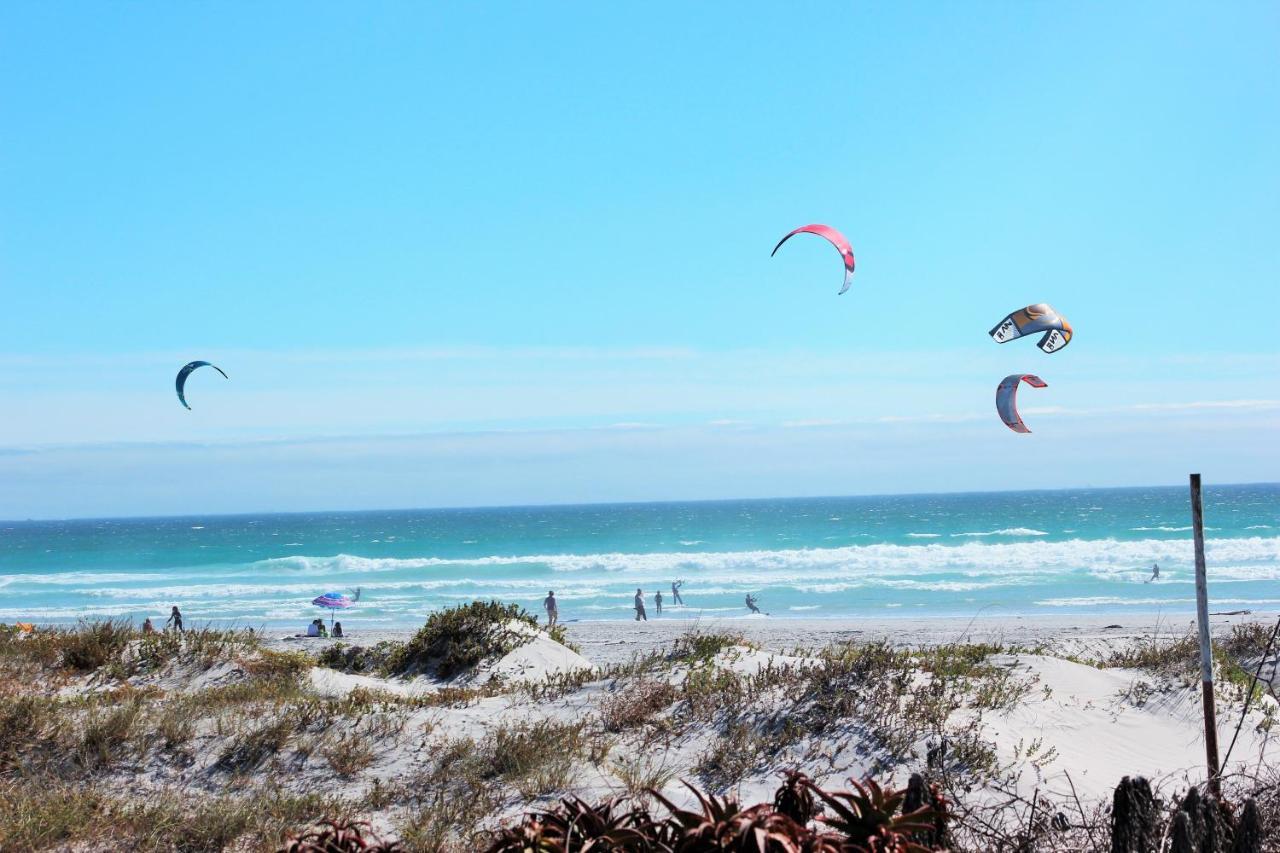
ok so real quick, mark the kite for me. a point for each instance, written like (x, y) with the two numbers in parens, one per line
(835, 238)
(1007, 399)
(1032, 319)
(181, 382)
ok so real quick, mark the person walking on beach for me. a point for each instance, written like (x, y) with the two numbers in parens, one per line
(675, 592)
(657, 602)
(640, 614)
(175, 619)
(552, 611)
(751, 603)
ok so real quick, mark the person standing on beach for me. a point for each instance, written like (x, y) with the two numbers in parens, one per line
(553, 612)
(675, 592)
(657, 602)
(175, 619)
(640, 614)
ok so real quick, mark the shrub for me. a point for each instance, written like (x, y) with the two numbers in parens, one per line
(458, 638)
(94, 644)
(1248, 640)
(695, 646)
(345, 658)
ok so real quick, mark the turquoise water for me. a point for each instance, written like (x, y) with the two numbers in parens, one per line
(1083, 551)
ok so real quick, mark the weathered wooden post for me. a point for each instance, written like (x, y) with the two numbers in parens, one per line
(1206, 643)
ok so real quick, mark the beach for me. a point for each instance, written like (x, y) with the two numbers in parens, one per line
(608, 643)
(1021, 651)
(261, 733)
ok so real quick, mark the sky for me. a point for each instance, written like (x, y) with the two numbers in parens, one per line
(506, 253)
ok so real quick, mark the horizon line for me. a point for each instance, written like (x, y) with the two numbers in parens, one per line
(571, 505)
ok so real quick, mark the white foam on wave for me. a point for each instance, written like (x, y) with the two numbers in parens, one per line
(71, 578)
(1094, 600)
(1218, 573)
(980, 559)
(1007, 531)
(805, 607)
(393, 583)
(924, 535)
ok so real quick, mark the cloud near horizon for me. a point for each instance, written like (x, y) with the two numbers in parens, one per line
(637, 463)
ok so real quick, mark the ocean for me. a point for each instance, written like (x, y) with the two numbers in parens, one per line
(1024, 553)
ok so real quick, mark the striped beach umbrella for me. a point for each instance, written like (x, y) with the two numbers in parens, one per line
(332, 601)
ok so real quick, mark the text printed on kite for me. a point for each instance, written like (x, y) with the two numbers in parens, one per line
(1007, 399)
(832, 236)
(1040, 317)
(181, 382)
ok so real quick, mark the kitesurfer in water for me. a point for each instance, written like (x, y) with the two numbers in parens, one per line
(751, 603)
(1155, 572)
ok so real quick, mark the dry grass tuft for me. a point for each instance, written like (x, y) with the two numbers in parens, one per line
(348, 754)
(636, 704)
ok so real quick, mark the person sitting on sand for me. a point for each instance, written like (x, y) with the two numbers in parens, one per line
(553, 612)
(640, 614)
(675, 592)
(337, 629)
(657, 602)
(313, 630)
(175, 619)
(751, 603)
(147, 627)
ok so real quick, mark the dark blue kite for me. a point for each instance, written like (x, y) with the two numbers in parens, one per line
(181, 382)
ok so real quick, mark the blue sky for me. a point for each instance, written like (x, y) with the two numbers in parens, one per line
(508, 253)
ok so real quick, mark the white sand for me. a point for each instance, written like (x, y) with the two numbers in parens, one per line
(604, 643)
(1094, 725)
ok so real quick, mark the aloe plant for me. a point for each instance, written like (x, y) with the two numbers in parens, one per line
(578, 827)
(336, 836)
(869, 818)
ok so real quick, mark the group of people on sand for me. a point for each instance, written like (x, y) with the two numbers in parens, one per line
(317, 629)
(553, 609)
(641, 615)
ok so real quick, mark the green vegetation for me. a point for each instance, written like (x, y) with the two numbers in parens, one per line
(358, 659)
(458, 638)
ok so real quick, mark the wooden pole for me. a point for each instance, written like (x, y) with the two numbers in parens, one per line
(1206, 643)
